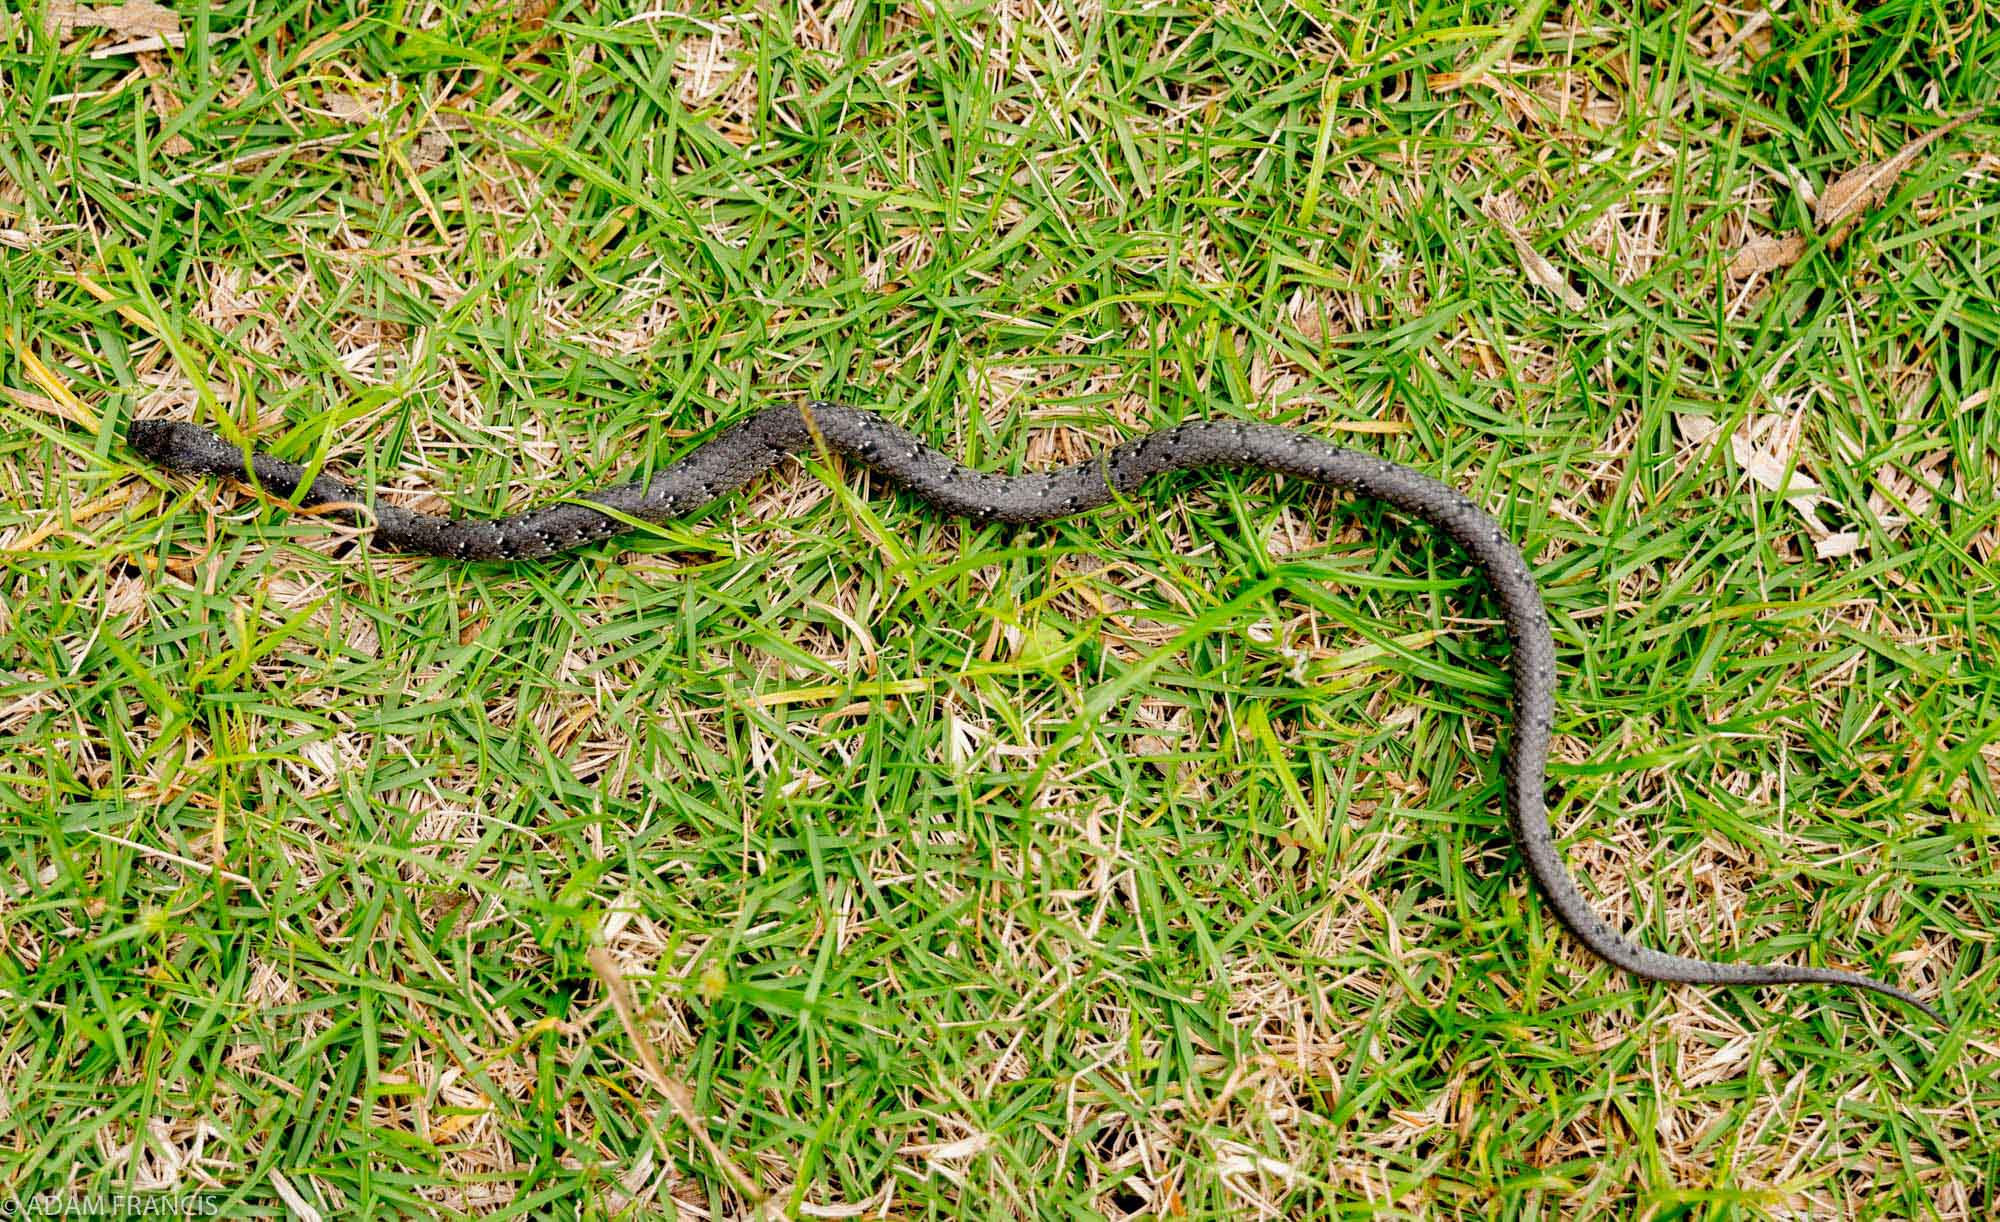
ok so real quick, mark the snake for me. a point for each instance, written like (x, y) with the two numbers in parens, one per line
(766, 438)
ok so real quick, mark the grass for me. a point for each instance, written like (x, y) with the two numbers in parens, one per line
(1149, 863)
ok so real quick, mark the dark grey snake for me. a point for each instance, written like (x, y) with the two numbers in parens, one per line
(762, 441)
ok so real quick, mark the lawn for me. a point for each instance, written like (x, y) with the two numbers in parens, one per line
(821, 855)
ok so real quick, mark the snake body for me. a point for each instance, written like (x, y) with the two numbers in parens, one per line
(764, 440)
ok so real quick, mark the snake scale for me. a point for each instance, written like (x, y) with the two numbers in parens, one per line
(764, 440)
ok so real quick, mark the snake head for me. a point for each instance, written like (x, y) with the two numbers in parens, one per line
(179, 446)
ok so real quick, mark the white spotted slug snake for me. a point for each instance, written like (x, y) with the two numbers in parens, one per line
(762, 441)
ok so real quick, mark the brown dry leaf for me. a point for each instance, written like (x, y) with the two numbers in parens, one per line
(1866, 186)
(358, 109)
(1853, 193)
(431, 148)
(1767, 450)
(1775, 469)
(1505, 211)
(1766, 255)
(138, 17)
(165, 104)
(1699, 430)
(1542, 272)
(1752, 41)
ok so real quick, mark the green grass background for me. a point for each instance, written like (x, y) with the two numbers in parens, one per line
(1150, 863)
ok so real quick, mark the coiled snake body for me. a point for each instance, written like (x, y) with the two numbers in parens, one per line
(762, 441)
